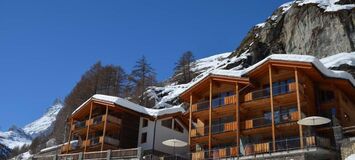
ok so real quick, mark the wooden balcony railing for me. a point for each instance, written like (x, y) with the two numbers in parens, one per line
(261, 148)
(216, 153)
(277, 90)
(217, 128)
(266, 121)
(102, 118)
(216, 102)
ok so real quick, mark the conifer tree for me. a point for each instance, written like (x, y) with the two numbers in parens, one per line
(183, 69)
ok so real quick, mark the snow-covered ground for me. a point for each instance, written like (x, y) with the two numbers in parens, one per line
(17, 137)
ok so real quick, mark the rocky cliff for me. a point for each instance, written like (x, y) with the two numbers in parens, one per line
(313, 27)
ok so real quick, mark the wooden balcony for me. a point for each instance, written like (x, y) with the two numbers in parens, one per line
(215, 153)
(219, 105)
(262, 148)
(282, 95)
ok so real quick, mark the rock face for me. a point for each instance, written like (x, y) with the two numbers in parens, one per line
(4, 152)
(319, 28)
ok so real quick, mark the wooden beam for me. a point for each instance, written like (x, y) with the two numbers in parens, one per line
(88, 128)
(190, 120)
(299, 107)
(210, 121)
(272, 110)
(237, 116)
(70, 134)
(104, 132)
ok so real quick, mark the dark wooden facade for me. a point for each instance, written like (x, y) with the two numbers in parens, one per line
(100, 125)
(258, 113)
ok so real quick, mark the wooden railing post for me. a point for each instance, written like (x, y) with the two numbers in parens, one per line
(70, 134)
(210, 121)
(104, 132)
(190, 121)
(88, 127)
(237, 116)
(299, 107)
(272, 110)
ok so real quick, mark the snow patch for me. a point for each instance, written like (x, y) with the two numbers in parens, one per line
(328, 5)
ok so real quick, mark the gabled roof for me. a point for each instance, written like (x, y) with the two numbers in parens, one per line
(133, 106)
(277, 58)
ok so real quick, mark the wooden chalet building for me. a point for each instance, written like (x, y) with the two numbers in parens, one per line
(253, 113)
(111, 123)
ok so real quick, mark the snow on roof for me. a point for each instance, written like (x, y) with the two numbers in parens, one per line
(57, 146)
(349, 59)
(339, 59)
(328, 5)
(133, 106)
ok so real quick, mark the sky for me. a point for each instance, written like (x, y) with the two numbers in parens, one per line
(45, 46)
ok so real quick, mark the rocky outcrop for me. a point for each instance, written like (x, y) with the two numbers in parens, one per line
(297, 28)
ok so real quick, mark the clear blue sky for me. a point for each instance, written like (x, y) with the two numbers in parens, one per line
(45, 46)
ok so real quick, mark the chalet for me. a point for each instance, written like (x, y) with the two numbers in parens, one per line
(253, 113)
(111, 123)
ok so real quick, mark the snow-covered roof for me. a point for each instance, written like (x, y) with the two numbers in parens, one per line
(133, 106)
(339, 59)
(348, 58)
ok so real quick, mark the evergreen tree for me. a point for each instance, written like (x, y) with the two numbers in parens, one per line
(142, 76)
(183, 69)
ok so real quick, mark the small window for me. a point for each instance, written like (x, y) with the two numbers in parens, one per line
(144, 137)
(178, 127)
(145, 123)
(167, 123)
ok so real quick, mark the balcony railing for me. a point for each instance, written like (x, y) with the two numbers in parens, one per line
(286, 145)
(266, 121)
(79, 125)
(216, 102)
(261, 148)
(276, 90)
(224, 127)
(100, 119)
(216, 153)
(216, 128)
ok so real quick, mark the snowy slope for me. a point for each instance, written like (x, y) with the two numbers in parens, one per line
(17, 137)
(43, 124)
(168, 96)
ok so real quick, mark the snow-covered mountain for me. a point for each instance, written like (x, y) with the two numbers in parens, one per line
(43, 125)
(17, 137)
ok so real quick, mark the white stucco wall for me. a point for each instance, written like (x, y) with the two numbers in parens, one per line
(161, 134)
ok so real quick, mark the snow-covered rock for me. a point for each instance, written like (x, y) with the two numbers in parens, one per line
(328, 5)
(43, 125)
(17, 137)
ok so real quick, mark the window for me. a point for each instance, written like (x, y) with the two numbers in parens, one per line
(178, 127)
(326, 96)
(144, 137)
(145, 123)
(167, 123)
